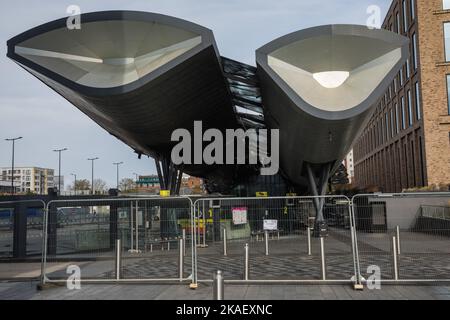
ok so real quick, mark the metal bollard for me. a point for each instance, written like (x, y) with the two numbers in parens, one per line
(168, 244)
(184, 242)
(218, 286)
(308, 231)
(131, 227)
(246, 262)
(118, 258)
(225, 242)
(398, 239)
(322, 255)
(181, 260)
(137, 228)
(266, 238)
(394, 251)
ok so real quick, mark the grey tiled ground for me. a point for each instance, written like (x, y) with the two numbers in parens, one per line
(27, 291)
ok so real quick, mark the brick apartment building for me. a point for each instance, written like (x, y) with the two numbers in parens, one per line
(407, 142)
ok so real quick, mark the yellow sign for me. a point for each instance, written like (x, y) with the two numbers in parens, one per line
(164, 193)
(262, 194)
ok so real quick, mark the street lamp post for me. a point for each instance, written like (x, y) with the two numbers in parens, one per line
(13, 140)
(59, 167)
(92, 177)
(137, 179)
(117, 164)
(74, 183)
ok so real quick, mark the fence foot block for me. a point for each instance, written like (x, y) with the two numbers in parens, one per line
(193, 286)
(358, 287)
(45, 286)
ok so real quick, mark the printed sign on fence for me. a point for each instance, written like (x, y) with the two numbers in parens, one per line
(239, 216)
(270, 225)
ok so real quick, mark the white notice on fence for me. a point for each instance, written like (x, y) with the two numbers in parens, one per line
(239, 216)
(270, 225)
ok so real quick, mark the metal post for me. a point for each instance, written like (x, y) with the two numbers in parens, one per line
(398, 240)
(225, 242)
(13, 140)
(394, 251)
(118, 258)
(13, 189)
(59, 174)
(117, 164)
(204, 224)
(181, 260)
(308, 231)
(246, 264)
(266, 238)
(137, 227)
(131, 227)
(218, 287)
(322, 256)
(92, 174)
(184, 242)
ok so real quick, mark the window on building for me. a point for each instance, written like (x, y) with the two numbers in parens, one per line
(401, 77)
(397, 126)
(403, 113)
(397, 20)
(417, 98)
(414, 45)
(405, 17)
(408, 70)
(410, 112)
(448, 93)
(446, 5)
(386, 120)
(447, 40)
(392, 123)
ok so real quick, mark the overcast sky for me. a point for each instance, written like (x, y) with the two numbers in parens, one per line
(46, 121)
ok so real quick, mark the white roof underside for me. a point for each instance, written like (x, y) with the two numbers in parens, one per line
(108, 54)
(303, 64)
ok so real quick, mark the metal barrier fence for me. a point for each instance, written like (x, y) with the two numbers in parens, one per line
(267, 240)
(406, 236)
(129, 239)
(271, 240)
(21, 225)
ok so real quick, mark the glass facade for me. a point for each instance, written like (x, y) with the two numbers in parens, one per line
(403, 113)
(448, 94)
(446, 4)
(410, 112)
(405, 17)
(417, 98)
(414, 46)
(447, 40)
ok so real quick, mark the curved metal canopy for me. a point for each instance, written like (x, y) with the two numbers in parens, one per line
(143, 75)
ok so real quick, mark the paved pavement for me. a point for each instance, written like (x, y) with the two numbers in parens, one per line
(27, 291)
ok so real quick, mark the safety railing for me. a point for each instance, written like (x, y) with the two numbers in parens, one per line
(251, 240)
(401, 236)
(273, 240)
(118, 240)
